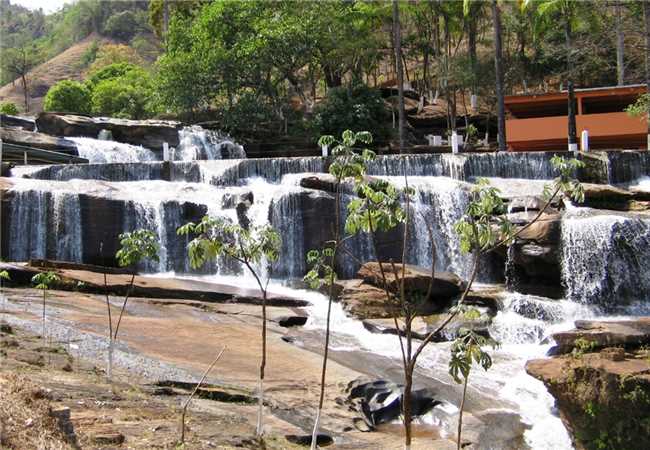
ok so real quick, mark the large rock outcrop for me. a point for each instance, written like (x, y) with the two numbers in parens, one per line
(38, 140)
(603, 397)
(148, 133)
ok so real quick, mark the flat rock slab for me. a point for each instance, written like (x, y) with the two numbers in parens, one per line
(37, 140)
(148, 287)
(605, 334)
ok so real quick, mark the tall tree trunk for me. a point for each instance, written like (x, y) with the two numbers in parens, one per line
(397, 38)
(23, 78)
(571, 102)
(165, 18)
(646, 16)
(471, 48)
(620, 42)
(498, 68)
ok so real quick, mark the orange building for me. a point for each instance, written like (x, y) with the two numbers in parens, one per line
(539, 121)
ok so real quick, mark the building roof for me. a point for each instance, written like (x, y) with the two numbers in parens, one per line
(582, 92)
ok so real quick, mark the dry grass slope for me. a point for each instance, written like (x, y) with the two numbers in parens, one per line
(64, 66)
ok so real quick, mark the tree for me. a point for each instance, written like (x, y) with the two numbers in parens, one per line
(122, 26)
(44, 281)
(19, 61)
(498, 69)
(4, 276)
(646, 18)
(620, 43)
(397, 42)
(68, 96)
(129, 96)
(250, 246)
(349, 162)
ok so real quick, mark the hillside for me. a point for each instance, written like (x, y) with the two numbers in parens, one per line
(64, 66)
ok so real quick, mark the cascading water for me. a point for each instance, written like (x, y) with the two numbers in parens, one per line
(605, 258)
(102, 151)
(197, 143)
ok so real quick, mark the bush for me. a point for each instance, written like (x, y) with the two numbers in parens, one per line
(89, 55)
(110, 72)
(68, 96)
(127, 96)
(115, 54)
(358, 108)
(122, 25)
(247, 116)
(8, 108)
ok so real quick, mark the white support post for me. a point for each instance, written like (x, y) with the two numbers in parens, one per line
(25, 157)
(454, 142)
(584, 140)
(165, 151)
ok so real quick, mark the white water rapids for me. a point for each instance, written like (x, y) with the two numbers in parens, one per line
(52, 216)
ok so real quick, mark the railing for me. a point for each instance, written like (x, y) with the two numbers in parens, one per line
(21, 154)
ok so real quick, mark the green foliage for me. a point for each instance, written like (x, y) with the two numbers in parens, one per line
(320, 262)
(582, 346)
(566, 184)
(45, 280)
(89, 55)
(8, 108)
(640, 107)
(68, 96)
(137, 246)
(123, 25)
(475, 228)
(4, 275)
(466, 350)
(129, 96)
(109, 72)
(216, 237)
(248, 113)
(360, 107)
(377, 209)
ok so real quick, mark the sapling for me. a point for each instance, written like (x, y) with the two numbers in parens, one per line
(135, 247)
(44, 281)
(4, 276)
(249, 246)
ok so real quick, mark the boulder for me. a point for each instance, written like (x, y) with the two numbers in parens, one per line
(17, 122)
(320, 182)
(380, 401)
(37, 140)
(629, 333)
(605, 196)
(603, 398)
(365, 301)
(292, 321)
(546, 230)
(148, 133)
(322, 440)
(446, 285)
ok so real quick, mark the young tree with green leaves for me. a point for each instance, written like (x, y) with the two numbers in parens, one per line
(250, 246)
(4, 276)
(348, 164)
(44, 281)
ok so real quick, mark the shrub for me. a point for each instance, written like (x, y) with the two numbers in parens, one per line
(110, 72)
(358, 108)
(68, 96)
(89, 55)
(122, 25)
(127, 96)
(114, 54)
(8, 108)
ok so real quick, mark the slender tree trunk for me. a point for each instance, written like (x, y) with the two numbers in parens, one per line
(646, 16)
(460, 415)
(23, 78)
(620, 44)
(43, 331)
(498, 68)
(406, 409)
(260, 413)
(397, 38)
(165, 18)
(571, 101)
(471, 48)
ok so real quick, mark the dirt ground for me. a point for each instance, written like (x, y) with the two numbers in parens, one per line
(60, 384)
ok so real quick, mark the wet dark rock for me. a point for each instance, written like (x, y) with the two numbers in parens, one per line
(17, 122)
(292, 321)
(380, 400)
(322, 440)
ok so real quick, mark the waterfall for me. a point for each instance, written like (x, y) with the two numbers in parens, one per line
(605, 258)
(198, 143)
(44, 225)
(101, 151)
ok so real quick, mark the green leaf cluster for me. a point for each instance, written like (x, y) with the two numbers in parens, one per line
(45, 280)
(4, 275)
(216, 237)
(466, 350)
(136, 246)
(8, 108)
(321, 268)
(566, 184)
(68, 96)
